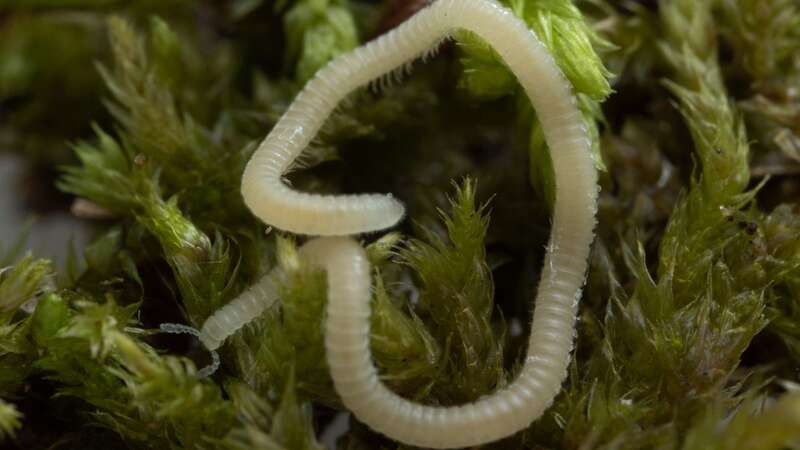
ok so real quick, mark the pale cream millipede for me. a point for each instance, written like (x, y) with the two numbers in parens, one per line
(240, 311)
(347, 325)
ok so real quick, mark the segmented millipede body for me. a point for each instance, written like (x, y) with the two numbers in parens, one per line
(347, 325)
(240, 311)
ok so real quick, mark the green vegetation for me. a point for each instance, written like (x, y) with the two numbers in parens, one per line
(689, 331)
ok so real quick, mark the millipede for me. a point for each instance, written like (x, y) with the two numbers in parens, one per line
(337, 217)
(240, 311)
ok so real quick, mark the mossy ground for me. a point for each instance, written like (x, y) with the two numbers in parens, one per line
(689, 331)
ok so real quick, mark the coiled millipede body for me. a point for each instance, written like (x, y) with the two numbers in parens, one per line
(347, 327)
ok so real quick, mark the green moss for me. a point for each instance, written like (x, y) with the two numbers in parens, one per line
(9, 420)
(688, 332)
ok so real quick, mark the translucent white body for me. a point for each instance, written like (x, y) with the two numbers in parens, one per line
(347, 327)
(240, 311)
